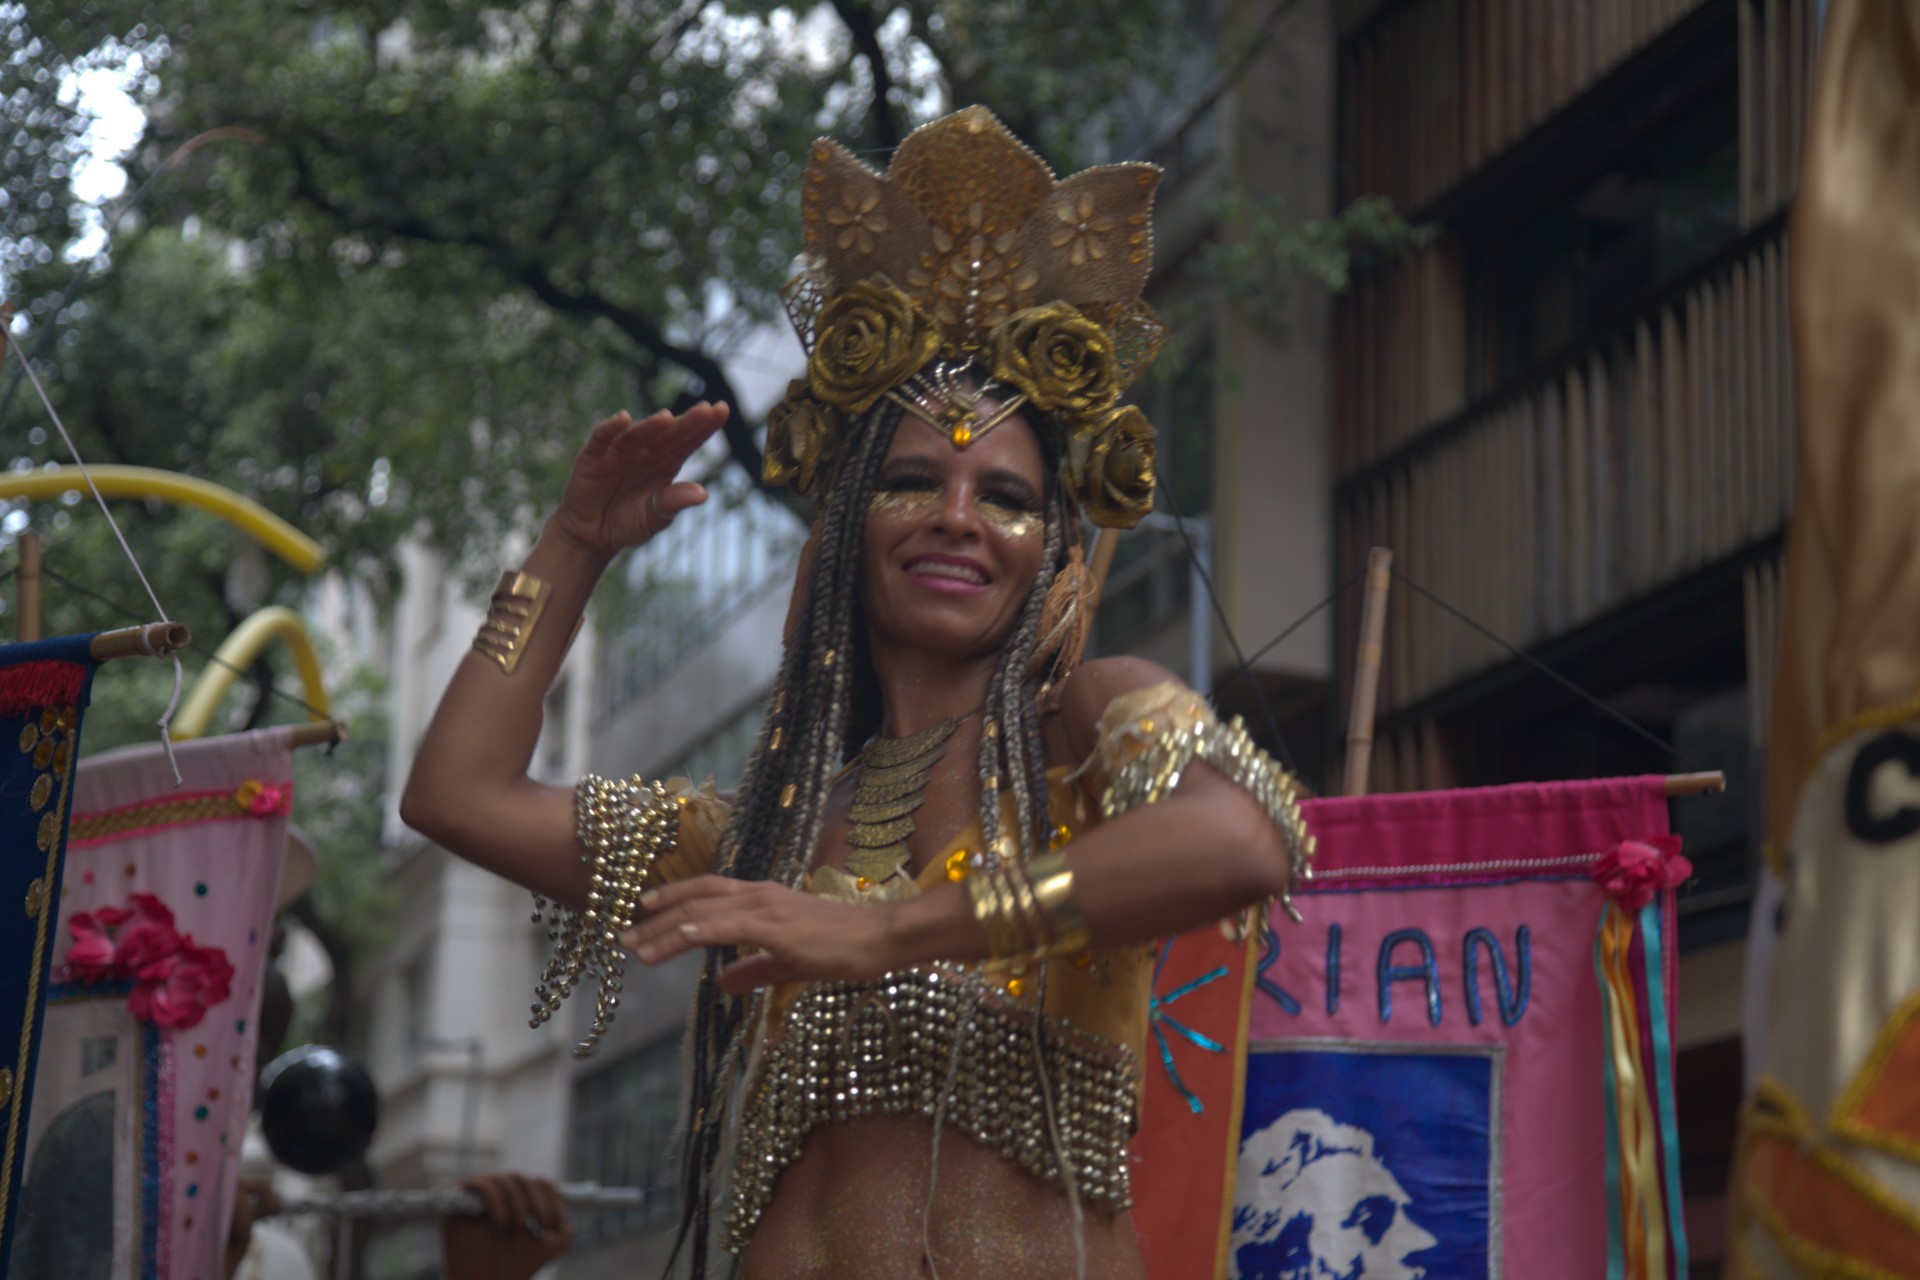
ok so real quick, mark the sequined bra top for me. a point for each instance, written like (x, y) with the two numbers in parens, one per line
(888, 1046)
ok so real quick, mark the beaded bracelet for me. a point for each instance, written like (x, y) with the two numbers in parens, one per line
(623, 827)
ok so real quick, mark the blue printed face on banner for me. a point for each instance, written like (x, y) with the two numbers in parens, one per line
(1367, 1162)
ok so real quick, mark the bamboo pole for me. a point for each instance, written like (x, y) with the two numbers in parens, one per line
(1696, 784)
(29, 586)
(1366, 676)
(315, 733)
(154, 640)
(1099, 563)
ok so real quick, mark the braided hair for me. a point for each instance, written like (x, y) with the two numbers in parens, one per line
(826, 702)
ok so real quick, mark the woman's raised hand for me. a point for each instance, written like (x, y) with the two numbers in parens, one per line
(621, 491)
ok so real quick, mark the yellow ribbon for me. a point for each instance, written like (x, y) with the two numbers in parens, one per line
(1641, 1203)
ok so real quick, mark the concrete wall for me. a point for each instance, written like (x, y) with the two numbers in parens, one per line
(1272, 485)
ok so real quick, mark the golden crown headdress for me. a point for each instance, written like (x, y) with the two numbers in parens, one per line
(966, 262)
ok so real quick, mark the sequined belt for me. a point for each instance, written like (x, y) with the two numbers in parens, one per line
(881, 1048)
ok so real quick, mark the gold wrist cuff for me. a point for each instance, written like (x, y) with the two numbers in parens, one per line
(512, 615)
(1058, 907)
(1028, 910)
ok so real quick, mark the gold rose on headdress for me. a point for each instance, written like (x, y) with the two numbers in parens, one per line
(1063, 361)
(1110, 468)
(800, 437)
(871, 338)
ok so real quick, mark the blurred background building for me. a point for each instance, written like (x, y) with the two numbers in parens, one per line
(1568, 415)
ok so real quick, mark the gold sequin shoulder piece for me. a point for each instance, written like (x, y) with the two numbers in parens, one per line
(1148, 739)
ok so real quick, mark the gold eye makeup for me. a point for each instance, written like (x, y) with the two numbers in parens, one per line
(912, 494)
(901, 500)
(1012, 521)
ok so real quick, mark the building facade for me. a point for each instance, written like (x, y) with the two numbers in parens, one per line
(1570, 418)
(1567, 414)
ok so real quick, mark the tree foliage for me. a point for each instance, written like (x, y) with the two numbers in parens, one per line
(453, 235)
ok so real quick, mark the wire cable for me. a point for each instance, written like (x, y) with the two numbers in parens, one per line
(1226, 629)
(166, 738)
(1550, 673)
(1286, 631)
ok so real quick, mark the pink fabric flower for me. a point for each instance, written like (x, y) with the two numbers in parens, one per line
(177, 990)
(90, 957)
(147, 938)
(272, 798)
(112, 917)
(1633, 871)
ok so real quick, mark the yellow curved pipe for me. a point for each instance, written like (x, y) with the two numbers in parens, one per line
(237, 651)
(258, 523)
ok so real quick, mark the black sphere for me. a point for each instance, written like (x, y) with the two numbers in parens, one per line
(318, 1108)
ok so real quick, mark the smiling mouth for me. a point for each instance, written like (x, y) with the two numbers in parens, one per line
(958, 573)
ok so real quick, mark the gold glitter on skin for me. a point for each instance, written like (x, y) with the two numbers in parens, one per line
(1008, 520)
(1012, 522)
(902, 502)
(850, 1209)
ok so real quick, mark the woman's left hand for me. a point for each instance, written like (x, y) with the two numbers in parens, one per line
(793, 935)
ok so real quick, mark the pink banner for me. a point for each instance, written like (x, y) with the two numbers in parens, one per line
(1455, 1067)
(165, 911)
(1427, 1089)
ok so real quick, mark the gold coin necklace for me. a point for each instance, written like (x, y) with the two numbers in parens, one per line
(891, 785)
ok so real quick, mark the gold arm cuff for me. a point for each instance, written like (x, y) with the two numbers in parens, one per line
(512, 615)
(1051, 884)
(1151, 776)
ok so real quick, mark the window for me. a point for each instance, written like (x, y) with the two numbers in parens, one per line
(623, 1136)
(722, 755)
(1664, 203)
(1150, 582)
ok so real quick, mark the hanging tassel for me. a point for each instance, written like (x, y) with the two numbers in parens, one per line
(1064, 621)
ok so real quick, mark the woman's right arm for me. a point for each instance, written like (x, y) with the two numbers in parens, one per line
(469, 790)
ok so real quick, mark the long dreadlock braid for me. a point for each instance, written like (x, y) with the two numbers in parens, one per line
(774, 827)
(775, 823)
(1010, 752)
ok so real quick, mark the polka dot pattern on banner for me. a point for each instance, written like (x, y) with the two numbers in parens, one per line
(199, 1113)
(200, 890)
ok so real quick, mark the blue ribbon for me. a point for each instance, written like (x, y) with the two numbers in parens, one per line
(1663, 1081)
(1157, 1017)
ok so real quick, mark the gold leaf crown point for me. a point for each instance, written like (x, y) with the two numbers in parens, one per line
(968, 249)
(972, 224)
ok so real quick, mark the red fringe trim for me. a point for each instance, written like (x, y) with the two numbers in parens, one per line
(29, 686)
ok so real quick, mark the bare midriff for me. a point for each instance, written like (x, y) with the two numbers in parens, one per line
(854, 1207)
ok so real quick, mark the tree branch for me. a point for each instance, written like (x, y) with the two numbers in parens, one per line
(865, 31)
(641, 329)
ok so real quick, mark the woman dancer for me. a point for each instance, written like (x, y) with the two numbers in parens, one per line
(929, 912)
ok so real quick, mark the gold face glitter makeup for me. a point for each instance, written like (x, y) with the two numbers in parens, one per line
(1012, 522)
(912, 497)
(903, 502)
